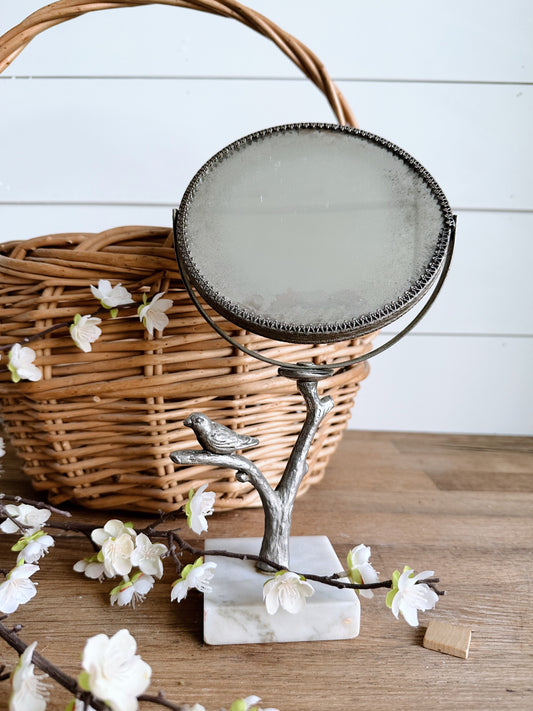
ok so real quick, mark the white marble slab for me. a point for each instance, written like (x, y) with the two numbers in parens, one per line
(234, 611)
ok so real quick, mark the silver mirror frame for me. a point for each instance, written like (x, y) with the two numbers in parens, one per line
(326, 332)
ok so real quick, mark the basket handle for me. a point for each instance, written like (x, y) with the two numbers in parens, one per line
(14, 41)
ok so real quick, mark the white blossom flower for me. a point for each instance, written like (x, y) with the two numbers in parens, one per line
(288, 590)
(116, 555)
(17, 589)
(132, 591)
(152, 313)
(360, 570)
(2, 447)
(90, 567)
(248, 704)
(199, 505)
(197, 575)
(21, 364)
(111, 296)
(32, 548)
(112, 529)
(29, 693)
(117, 544)
(27, 515)
(84, 331)
(147, 555)
(113, 672)
(408, 595)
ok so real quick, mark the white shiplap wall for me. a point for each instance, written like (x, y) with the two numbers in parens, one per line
(105, 119)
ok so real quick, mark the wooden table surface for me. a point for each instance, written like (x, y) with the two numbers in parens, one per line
(461, 505)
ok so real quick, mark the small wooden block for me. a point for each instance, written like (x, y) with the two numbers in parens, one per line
(447, 638)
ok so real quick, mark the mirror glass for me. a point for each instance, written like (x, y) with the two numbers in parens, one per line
(312, 232)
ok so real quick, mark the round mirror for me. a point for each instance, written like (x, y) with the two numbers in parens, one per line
(311, 233)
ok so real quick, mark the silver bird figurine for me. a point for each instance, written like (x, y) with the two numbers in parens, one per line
(216, 438)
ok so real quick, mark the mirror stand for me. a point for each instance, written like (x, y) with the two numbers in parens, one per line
(277, 503)
(235, 614)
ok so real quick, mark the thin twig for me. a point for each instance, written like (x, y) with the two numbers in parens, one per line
(332, 580)
(172, 551)
(37, 336)
(152, 529)
(4, 676)
(36, 504)
(21, 526)
(161, 700)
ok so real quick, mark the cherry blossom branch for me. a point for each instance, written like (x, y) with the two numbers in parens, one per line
(58, 326)
(174, 539)
(68, 682)
(332, 580)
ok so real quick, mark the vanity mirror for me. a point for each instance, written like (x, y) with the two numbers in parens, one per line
(306, 233)
(312, 232)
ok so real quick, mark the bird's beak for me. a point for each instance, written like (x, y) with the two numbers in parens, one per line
(188, 422)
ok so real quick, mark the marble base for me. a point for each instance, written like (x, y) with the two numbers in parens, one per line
(234, 612)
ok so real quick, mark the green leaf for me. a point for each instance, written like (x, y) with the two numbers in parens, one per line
(185, 572)
(188, 511)
(238, 705)
(355, 576)
(15, 377)
(84, 681)
(395, 578)
(121, 586)
(20, 545)
(390, 597)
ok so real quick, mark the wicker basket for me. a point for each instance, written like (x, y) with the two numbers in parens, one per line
(98, 428)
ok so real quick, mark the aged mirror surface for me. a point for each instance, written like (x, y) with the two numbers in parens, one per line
(312, 232)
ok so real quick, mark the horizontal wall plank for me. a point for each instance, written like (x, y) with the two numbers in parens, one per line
(460, 40)
(142, 140)
(449, 384)
(488, 290)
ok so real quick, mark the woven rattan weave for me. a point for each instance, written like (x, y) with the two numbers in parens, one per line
(99, 427)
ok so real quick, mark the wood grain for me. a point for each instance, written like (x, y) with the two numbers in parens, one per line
(387, 490)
